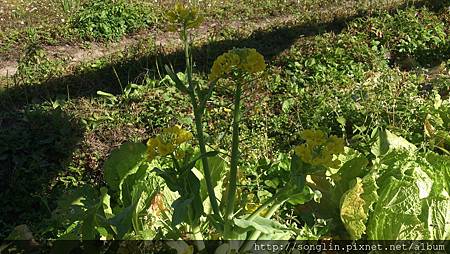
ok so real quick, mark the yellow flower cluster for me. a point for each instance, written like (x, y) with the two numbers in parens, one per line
(167, 141)
(182, 16)
(320, 149)
(247, 60)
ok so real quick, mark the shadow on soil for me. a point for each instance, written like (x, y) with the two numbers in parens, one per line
(34, 147)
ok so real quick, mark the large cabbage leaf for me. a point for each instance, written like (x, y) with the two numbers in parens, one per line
(356, 204)
(414, 202)
(404, 197)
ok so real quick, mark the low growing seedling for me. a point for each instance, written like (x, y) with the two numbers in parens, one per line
(110, 20)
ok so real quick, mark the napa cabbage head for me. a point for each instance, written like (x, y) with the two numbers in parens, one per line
(404, 197)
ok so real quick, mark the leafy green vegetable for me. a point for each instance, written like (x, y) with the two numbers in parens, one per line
(123, 162)
(414, 200)
(404, 197)
(356, 203)
(387, 141)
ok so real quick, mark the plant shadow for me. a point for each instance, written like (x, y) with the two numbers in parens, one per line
(35, 146)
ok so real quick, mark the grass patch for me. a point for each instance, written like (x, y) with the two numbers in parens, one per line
(111, 20)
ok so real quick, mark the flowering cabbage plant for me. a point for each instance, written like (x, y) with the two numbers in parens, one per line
(167, 142)
(229, 223)
(183, 17)
(320, 150)
(241, 59)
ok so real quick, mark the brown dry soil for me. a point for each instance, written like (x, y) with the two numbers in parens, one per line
(73, 55)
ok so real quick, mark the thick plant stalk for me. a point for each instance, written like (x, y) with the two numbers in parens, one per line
(201, 141)
(262, 207)
(198, 113)
(198, 237)
(255, 235)
(234, 153)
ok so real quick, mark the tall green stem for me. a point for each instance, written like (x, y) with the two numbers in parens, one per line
(201, 141)
(234, 152)
(187, 56)
(263, 206)
(198, 113)
(255, 235)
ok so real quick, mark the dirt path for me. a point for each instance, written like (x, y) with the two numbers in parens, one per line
(75, 54)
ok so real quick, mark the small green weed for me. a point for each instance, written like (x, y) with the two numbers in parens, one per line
(413, 36)
(70, 5)
(36, 67)
(110, 20)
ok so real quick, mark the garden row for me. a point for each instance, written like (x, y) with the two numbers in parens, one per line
(386, 71)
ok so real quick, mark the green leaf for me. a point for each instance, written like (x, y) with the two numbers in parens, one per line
(145, 185)
(122, 221)
(354, 165)
(176, 80)
(264, 225)
(414, 201)
(107, 95)
(142, 195)
(356, 203)
(123, 162)
(106, 203)
(218, 172)
(193, 190)
(130, 181)
(387, 141)
(88, 228)
(333, 187)
(191, 164)
(73, 204)
(180, 210)
(276, 236)
(298, 172)
(287, 104)
(170, 178)
(303, 197)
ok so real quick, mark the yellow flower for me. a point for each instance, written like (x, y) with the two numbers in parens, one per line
(182, 16)
(180, 155)
(335, 145)
(320, 150)
(244, 59)
(304, 152)
(313, 137)
(250, 207)
(167, 141)
(252, 61)
(152, 146)
(177, 135)
(164, 148)
(323, 158)
(224, 64)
